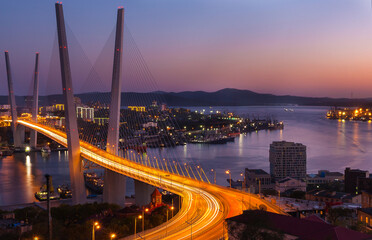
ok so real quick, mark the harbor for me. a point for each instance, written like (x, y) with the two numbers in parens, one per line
(350, 114)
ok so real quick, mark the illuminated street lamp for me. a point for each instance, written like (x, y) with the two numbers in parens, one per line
(259, 185)
(112, 236)
(135, 225)
(172, 208)
(228, 172)
(36, 238)
(243, 183)
(94, 227)
(214, 177)
(143, 221)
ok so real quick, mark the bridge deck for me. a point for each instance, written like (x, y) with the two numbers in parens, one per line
(204, 205)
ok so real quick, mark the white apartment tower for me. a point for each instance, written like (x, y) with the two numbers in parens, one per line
(287, 159)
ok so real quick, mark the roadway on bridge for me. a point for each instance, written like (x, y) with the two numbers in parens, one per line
(204, 205)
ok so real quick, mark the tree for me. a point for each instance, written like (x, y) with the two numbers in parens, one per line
(335, 214)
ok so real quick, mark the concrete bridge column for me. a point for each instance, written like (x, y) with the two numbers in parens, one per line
(143, 192)
(114, 189)
(35, 105)
(13, 106)
(20, 132)
(73, 144)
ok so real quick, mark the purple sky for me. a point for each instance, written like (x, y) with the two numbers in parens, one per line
(307, 47)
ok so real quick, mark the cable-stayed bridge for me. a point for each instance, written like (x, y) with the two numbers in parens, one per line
(204, 205)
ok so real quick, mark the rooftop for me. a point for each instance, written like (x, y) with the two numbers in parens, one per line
(366, 210)
(256, 171)
(306, 229)
(331, 194)
(289, 179)
(286, 144)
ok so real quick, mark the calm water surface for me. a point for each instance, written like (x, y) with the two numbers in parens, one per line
(331, 145)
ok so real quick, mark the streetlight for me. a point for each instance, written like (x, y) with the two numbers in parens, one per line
(228, 172)
(172, 208)
(135, 225)
(243, 183)
(143, 221)
(36, 238)
(259, 186)
(214, 177)
(112, 236)
(94, 227)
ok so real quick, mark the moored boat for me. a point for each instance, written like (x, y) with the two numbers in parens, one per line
(42, 195)
(64, 191)
(45, 149)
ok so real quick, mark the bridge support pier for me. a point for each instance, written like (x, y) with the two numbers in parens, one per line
(35, 105)
(114, 189)
(13, 106)
(20, 132)
(143, 193)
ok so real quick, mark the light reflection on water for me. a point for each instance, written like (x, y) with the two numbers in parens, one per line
(331, 145)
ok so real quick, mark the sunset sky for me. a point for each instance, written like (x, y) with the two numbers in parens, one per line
(296, 47)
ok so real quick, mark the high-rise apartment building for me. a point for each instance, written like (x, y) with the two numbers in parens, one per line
(356, 180)
(287, 159)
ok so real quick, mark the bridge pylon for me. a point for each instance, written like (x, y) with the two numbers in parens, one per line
(143, 193)
(35, 104)
(13, 106)
(73, 144)
(115, 183)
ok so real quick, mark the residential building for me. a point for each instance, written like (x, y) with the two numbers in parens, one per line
(333, 197)
(287, 159)
(257, 180)
(84, 112)
(156, 198)
(365, 216)
(137, 108)
(150, 124)
(366, 199)
(323, 177)
(364, 184)
(290, 184)
(5, 106)
(352, 177)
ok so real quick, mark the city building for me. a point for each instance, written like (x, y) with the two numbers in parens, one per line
(257, 180)
(365, 216)
(366, 199)
(333, 197)
(269, 225)
(156, 199)
(364, 184)
(5, 107)
(4, 112)
(323, 177)
(85, 113)
(287, 159)
(100, 121)
(137, 108)
(352, 178)
(150, 124)
(290, 184)
(49, 110)
(164, 107)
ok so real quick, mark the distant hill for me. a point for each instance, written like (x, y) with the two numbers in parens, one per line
(224, 97)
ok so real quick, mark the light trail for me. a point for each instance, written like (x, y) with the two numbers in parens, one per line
(207, 205)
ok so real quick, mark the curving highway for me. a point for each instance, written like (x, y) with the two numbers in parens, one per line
(204, 205)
